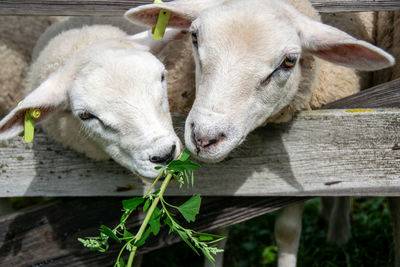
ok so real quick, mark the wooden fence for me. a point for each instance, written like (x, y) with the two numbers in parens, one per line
(352, 147)
(325, 152)
(117, 8)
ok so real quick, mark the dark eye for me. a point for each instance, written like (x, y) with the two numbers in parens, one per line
(194, 39)
(86, 116)
(162, 77)
(289, 62)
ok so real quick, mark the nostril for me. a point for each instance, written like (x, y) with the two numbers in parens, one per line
(173, 148)
(199, 141)
(210, 142)
(165, 159)
(156, 159)
(205, 142)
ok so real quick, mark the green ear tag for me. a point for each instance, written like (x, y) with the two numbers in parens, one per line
(29, 124)
(162, 22)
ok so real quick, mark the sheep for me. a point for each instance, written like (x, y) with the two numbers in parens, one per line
(250, 72)
(18, 35)
(102, 93)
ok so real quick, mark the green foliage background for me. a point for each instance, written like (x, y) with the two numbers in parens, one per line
(252, 243)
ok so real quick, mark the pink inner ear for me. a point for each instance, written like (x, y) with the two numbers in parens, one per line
(350, 54)
(149, 17)
(18, 118)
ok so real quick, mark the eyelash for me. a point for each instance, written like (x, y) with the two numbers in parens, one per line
(287, 64)
(85, 116)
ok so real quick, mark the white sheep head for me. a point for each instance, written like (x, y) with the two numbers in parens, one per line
(248, 65)
(108, 100)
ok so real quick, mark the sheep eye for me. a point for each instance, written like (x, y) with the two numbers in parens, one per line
(194, 39)
(162, 77)
(289, 62)
(86, 116)
(266, 81)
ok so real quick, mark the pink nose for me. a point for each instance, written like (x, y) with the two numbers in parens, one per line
(202, 142)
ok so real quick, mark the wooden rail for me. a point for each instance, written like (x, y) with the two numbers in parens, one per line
(322, 152)
(117, 8)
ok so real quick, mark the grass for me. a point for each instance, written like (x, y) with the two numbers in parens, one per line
(252, 243)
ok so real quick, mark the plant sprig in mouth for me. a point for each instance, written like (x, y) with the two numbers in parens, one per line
(181, 170)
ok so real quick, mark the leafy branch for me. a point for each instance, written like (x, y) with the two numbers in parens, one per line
(182, 171)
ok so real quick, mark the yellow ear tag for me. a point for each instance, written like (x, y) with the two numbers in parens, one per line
(29, 124)
(162, 22)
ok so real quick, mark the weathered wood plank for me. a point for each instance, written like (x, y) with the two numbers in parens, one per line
(47, 236)
(117, 8)
(355, 5)
(325, 152)
(386, 95)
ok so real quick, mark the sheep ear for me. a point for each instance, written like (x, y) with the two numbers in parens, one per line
(338, 47)
(145, 40)
(47, 98)
(182, 12)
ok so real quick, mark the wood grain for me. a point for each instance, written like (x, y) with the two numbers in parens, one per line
(47, 235)
(355, 5)
(117, 8)
(324, 152)
(386, 95)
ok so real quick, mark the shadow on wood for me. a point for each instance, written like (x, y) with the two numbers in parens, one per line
(47, 235)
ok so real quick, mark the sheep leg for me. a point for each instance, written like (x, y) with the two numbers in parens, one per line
(219, 258)
(339, 221)
(287, 234)
(326, 208)
(394, 205)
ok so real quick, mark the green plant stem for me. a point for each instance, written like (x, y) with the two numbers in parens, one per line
(154, 183)
(148, 216)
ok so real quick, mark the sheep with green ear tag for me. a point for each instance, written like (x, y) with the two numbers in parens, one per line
(101, 92)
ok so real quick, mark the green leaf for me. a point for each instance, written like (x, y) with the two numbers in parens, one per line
(185, 155)
(146, 205)
(128, 235)
(190, 208)
(209, 257)
(142, 240)
(269, 254)
(131, 204)
(124, 216)
(108, 232)
(121, 262)
(155, 221)
(184, 237)
(158, 167)
(209, 237)
(168, 222)
(178, 166)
